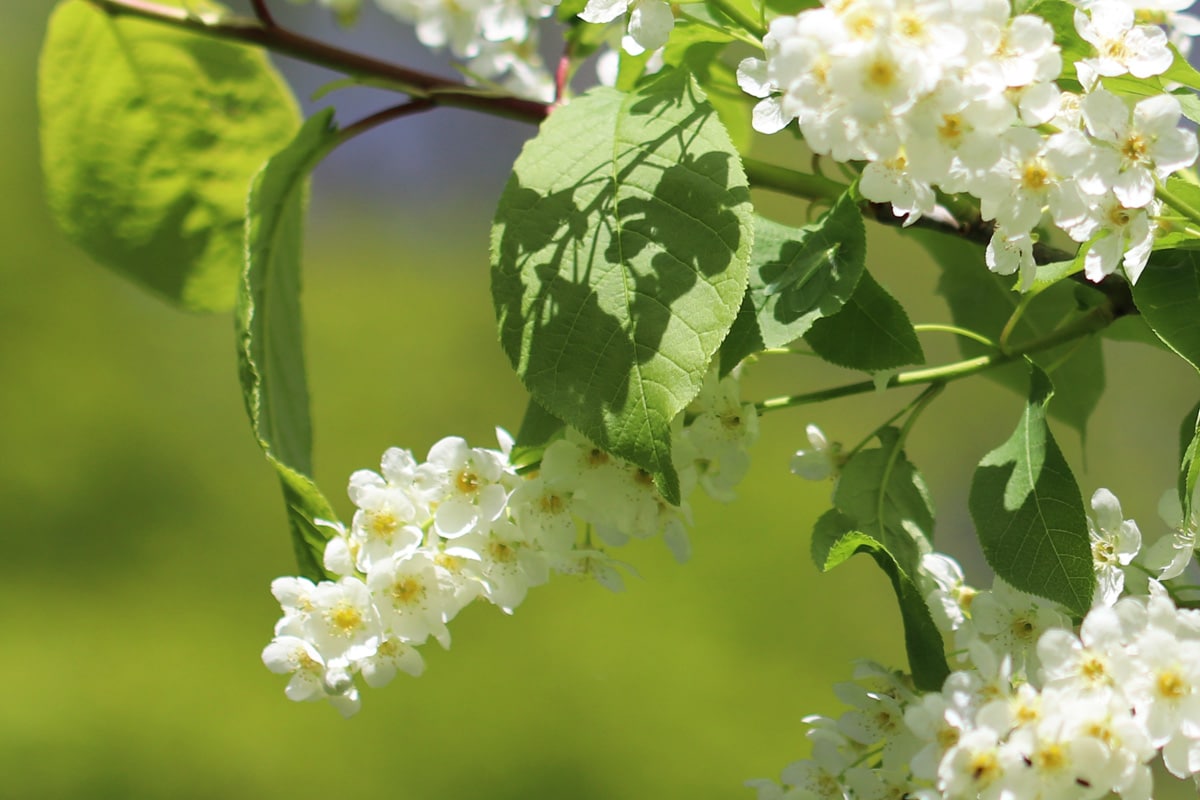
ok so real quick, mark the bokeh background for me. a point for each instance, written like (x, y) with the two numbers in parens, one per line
(141, 526)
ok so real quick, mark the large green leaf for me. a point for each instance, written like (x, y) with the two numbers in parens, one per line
(1168, 295)
(983, 301)
(882, 507)
(150, 136)
(797, 276)
(619, 260)
(871, 332)
(1029, 514)
(270, 333)
(697, 47)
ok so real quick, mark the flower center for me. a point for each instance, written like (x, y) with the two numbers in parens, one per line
(382, 524)
(1050, 758)
(408, 590)
(881, 74)
(983, 767)
(911, 26)
(951, 130)
(1135, 149)
(1022, 628)
(1035, 176)
(1171, 685)
(502, 552)
(345, 619)
(467, 482)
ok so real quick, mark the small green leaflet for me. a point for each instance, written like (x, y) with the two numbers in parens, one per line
(1189, 458)
(882, 507)
(1029, 514)
(620, 252)
(797, 276)
(150, 136)
(871, 332)
(1168, 296)
(270, 333)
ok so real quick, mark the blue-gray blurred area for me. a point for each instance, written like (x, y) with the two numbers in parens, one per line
(142, 527)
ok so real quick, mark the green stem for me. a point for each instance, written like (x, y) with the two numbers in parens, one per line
(920, 400)
(790, 181)
(1095, 320)
(1178, 203)
(736, 14)
(1014, 318)
(963, 332)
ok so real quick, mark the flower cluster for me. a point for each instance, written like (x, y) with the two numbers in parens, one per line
(964, 96)
(1034, 707)
(428, 538)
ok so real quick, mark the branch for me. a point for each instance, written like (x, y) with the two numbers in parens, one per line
(263, 13)
(1095, 320)
(442, 91)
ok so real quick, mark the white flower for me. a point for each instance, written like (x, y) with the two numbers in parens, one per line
(1121, 46)
(1115, 543)
(1143, 146)
(467, 482)
(292, 655)
(1013, 621)
(1008, 253)
(1120, 236)
(719, 435)
(650, 21)
(1172, 553)
(818, 462)
(889, 181)
(413, 603)
(1035, 175)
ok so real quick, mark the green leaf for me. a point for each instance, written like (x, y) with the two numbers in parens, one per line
(1029, 514)
(1190, 103)
(1181, 71)
(1171, 233)
(697, 48)
(270, 333)
(882, 508)
(797, 276)
(1168, 296)
(871, 332)
(886, 497)
(619, 260)
(150, 137)
(983, 301)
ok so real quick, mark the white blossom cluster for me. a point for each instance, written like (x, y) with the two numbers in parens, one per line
(428, 538)
(1034, 708)
(962, 96)
(497, 39)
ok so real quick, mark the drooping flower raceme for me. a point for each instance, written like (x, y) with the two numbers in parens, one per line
(962, 96)
(428, 538)
(1035, 708)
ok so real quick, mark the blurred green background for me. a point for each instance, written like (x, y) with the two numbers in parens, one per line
(142, 527)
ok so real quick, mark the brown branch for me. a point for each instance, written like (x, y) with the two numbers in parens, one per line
(263, 13)
(443, 91)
